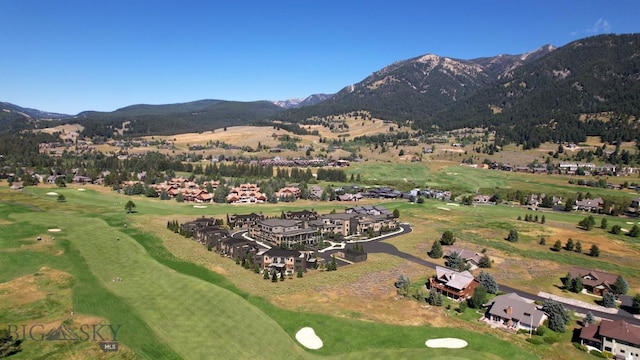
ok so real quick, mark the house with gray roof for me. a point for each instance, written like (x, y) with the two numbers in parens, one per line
(469, 257)
(514, 312)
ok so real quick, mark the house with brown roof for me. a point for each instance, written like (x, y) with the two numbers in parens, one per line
(453, 284)
(589, 204)
(594, 281)
(615, 336)
(514, 312)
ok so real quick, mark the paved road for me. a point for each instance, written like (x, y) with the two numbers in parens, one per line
(378, 246)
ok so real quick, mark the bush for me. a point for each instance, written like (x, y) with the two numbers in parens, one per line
(551, 338)
(580, 346)
(541, 330)
(535, 340)
(597, 353)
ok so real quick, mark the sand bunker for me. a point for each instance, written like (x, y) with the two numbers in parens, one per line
(52, 193)
(453, 204)
(199, 206)
(55, 230)
(308, 338)
(82, 189)
(444, 208)
(446, 343)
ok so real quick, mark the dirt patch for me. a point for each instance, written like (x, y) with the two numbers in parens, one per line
(30, 288)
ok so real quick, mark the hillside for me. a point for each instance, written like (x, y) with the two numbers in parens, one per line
(172, 119)
(586, 88)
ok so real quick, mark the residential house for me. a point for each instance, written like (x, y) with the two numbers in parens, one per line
(589, 204)
(290, 192)
(482, 199)
(209, 234)
(284, 233)
(615, 336)
(315, 192)
(515, 312)
(246, 194)
(453, 284)
(236, 248)
(284, 261)
(471, 258)
(594, 281)
(243, 220)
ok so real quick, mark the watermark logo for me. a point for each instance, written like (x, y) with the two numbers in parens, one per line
(106, 335)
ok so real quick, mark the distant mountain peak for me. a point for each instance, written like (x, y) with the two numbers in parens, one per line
(298, 102)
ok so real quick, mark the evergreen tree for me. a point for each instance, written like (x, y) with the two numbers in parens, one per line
(608, 300)
(436, 250)
(487, 281)
(616, 229)
(274, 276)
(576, 284)
(587, 223)
(543, 241)
(513, 235)
(569, 245)
(566, 281)
(455, 262)
(447, 238)
(594, 251)
(543, 220)
(485, 262)
(620, 287)
(603, 223)
(557, 246)
(265, 274)
(578, 247)
(478, 298)
(129, 206)
(558, 316)
(299, 273)
(635, 231)
(589, 319)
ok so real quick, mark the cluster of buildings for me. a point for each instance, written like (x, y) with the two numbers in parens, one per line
(287, 244)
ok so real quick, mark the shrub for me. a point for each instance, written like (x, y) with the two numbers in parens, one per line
(541, 330)
(551, 338)
(580, 346)
(535, 340)
(597, 353)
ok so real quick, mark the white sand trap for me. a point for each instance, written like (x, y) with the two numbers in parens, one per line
(199, 206)
(82, 189)
(624, 230)
(308, 338)
(446, 343)
(629, 222)
(52, 193)
(55, 230)
(453, 204)
(444, 208)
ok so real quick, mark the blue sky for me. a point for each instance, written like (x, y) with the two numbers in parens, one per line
(75, 55)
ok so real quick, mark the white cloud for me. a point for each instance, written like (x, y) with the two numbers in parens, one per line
(601, 26)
